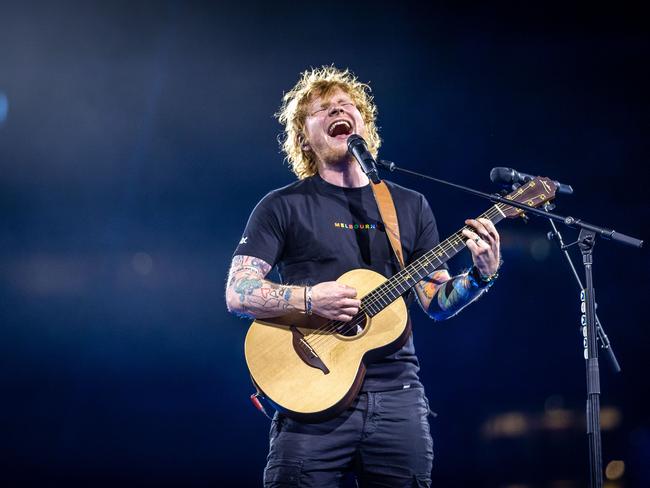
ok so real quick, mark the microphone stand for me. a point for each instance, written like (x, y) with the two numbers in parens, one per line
(586, 242)
(555, 235)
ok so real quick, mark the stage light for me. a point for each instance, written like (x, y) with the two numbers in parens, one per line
(4, 107)
(558, 419)
(510, 424)
(610, 418)
(142, 263)
(615, 470)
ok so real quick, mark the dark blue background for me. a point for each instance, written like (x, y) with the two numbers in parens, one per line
(135, 138)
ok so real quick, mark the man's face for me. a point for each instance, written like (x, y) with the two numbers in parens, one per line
(330, 120)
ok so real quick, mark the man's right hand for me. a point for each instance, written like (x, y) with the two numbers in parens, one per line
(334, 301)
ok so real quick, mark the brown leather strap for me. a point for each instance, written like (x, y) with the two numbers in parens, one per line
(389, 216)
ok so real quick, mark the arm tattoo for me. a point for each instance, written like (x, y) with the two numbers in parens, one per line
(428, 286)
(255, 296)
(246, 286)
(452, 296)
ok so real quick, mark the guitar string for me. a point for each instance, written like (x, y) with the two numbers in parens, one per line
(382, 297)
(379, 297)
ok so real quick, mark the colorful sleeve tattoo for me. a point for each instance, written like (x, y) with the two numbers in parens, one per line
(444, 299)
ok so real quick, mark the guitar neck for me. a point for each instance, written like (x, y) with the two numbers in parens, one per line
(385, 294)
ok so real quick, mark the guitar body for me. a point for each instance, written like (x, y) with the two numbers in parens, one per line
(314, 389)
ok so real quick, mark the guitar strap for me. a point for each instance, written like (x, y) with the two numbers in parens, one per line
(389, 216)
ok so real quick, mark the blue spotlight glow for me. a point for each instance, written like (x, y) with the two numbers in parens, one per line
(4, 107)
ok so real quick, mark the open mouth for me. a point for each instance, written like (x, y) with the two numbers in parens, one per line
(340, 128)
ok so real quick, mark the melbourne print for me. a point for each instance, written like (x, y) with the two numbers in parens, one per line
(343, 225)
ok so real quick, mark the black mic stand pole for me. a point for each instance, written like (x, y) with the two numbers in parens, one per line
(586, 242)
(555, 235)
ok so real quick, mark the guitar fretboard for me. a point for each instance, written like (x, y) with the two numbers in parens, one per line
(394, 287)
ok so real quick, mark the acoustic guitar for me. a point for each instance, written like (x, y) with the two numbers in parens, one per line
(311, 368)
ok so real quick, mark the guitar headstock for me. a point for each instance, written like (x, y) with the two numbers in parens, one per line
(534, 193)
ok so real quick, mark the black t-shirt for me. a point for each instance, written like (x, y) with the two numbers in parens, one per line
(314, 231)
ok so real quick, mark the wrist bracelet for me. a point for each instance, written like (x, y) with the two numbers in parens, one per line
(477, 280)
(308, 305)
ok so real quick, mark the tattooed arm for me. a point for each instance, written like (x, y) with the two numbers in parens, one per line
(249, 294)
(442, 296)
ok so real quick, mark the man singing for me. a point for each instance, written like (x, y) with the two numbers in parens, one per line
(314, 230)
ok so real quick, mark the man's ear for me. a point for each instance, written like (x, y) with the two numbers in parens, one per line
(304, 145)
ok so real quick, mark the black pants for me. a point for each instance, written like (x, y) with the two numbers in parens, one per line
(383, 437)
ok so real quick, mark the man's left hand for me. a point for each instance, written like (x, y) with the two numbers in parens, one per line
(483, 243)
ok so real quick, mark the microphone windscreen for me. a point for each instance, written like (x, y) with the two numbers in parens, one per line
(501, 175)
(355, 139)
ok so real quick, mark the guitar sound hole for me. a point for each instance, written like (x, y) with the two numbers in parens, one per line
(353, 327)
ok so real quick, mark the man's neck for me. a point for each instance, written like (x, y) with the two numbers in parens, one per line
(346, 175)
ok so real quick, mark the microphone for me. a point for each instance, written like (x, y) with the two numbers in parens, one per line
(509, 176)
(358, 148)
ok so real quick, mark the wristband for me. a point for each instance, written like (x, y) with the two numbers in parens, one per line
(308, 305)
(477, 280)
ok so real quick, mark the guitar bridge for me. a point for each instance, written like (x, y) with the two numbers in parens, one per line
(306, 352)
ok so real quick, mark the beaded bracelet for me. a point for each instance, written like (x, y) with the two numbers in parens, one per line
(477, 280)
(308, 305)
